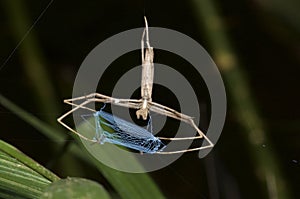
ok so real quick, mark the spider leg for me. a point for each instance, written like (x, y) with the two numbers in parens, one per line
(82, 105)
(164, 110)
(86, 98)
(94, 97)
(129, 103)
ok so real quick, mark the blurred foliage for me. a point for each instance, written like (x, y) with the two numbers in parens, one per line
(238, 88)
(255, 44)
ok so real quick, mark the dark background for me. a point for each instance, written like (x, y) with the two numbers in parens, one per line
(265, 36)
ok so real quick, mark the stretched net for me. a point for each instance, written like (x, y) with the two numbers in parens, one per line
(125, 133)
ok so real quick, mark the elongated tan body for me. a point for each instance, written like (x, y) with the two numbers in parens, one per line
(147, 74)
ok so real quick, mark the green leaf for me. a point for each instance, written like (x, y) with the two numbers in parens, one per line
(20, 176)
(30, 163)
(77, 188)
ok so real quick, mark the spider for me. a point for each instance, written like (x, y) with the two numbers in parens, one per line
(146, 143)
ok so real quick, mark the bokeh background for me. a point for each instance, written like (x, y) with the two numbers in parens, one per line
(256, 45)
